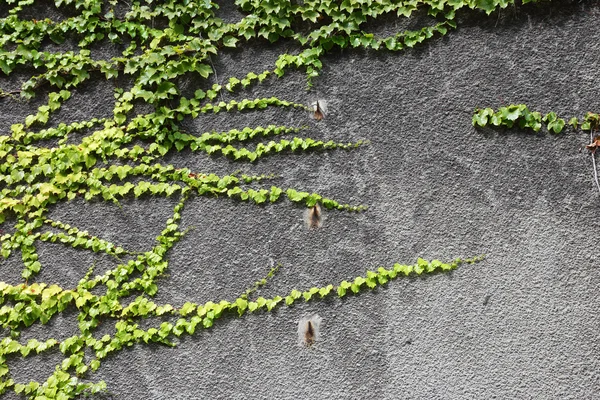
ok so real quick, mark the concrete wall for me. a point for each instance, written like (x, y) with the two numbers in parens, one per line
(522, 324)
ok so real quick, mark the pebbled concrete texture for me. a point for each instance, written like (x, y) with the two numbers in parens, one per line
(523, 324)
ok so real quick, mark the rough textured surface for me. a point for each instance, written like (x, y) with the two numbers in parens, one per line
(522, 324)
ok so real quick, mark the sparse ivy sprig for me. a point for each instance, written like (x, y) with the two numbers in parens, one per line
(519, 116)
(81, 239)
(39, 302)
(259, 178)
(243, 135)
(258, 284)
(272, 147)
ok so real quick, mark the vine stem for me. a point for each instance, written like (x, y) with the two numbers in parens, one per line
(594, 162)
(216, 76)
(9, 93)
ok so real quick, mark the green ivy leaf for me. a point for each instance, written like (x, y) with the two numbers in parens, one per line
(95, 364)
(204, 71)
(486, 5)
(241, 304)
(557, 125)
(275, 193)
(325, 290)
(187, 308)
(207, 322)
(574, 122)
(229, 41)
(261, 302)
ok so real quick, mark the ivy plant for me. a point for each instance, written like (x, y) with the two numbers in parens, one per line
(519, 116)
(110, 158)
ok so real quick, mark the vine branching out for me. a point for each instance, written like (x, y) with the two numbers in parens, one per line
(111, 158)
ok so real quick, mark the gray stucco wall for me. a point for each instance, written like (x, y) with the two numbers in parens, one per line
(522, 324)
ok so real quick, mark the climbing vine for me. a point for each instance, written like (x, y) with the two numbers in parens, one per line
(521, 117)
(109, 158)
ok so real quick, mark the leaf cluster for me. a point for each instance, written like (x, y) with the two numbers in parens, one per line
(520, 116)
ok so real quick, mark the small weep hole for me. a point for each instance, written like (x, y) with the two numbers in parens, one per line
(308, 330)
(319, 109)
(313, 217)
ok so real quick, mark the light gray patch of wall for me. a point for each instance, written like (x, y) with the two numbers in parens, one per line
(521, 324)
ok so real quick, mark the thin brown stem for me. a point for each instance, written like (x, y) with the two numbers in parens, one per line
(216, 76)
(594, 162)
